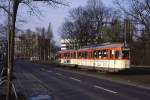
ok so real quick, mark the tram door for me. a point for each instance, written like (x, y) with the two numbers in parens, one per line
(117, 62)
(112, 61)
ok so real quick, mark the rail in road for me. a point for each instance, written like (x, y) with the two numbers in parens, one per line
(35, 79)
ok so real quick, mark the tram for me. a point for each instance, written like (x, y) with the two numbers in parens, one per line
(106, 57)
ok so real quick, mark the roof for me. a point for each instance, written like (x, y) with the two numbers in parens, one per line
(66, 51)
(112, 45)
(104, 45)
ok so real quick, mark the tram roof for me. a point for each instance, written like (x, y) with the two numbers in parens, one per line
(113, 45)
(104, 45)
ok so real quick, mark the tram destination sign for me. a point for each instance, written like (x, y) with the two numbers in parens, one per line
(126, 48)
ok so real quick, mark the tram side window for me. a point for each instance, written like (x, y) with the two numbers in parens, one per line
(89, 54)
(74, 55)
(71, 55)
(105, 53)
(112, 54)
(64, 55)
(84, 55)
(116, 54)
(95, 54)
(59, 56)
(99, 54)
(79, 55)
(67, 55)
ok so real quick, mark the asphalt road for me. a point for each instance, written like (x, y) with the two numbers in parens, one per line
(60, 84)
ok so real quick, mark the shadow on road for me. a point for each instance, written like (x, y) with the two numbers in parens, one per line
(131, 71)
(20, 97)
(135, 71)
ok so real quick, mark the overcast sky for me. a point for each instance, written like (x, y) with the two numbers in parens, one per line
(54, 15)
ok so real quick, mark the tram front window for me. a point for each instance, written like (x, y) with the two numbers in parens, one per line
(125, 54)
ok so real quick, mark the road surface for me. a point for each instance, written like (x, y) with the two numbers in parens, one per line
(60, 84)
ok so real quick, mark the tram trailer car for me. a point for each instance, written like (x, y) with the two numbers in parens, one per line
(111, 57)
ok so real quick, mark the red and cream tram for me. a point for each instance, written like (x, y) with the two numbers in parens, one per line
(108, 57)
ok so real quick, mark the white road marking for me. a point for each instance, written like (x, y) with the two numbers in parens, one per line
(59, 74)
(49, 71)
(75, 79)
(43, 69)
(96, 86)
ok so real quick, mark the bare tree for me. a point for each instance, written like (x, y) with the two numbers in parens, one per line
(11, 8)
(89, 25)
(84, 25)
(139, 11)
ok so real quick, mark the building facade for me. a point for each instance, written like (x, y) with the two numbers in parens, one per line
(32, 48)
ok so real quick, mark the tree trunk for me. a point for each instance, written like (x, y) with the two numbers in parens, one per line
(15, 4)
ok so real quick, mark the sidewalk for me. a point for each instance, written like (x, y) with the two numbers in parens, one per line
(31, 87)
(3, 92)
(28, 87)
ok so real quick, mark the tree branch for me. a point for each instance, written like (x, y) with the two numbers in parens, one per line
(32, 9)
(147, 4)
(50, 2)
(57, 2)
(4, 8)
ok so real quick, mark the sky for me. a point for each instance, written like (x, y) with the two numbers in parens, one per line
(55, 16)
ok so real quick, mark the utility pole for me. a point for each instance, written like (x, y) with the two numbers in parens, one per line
(9, 62)
(125, 33)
